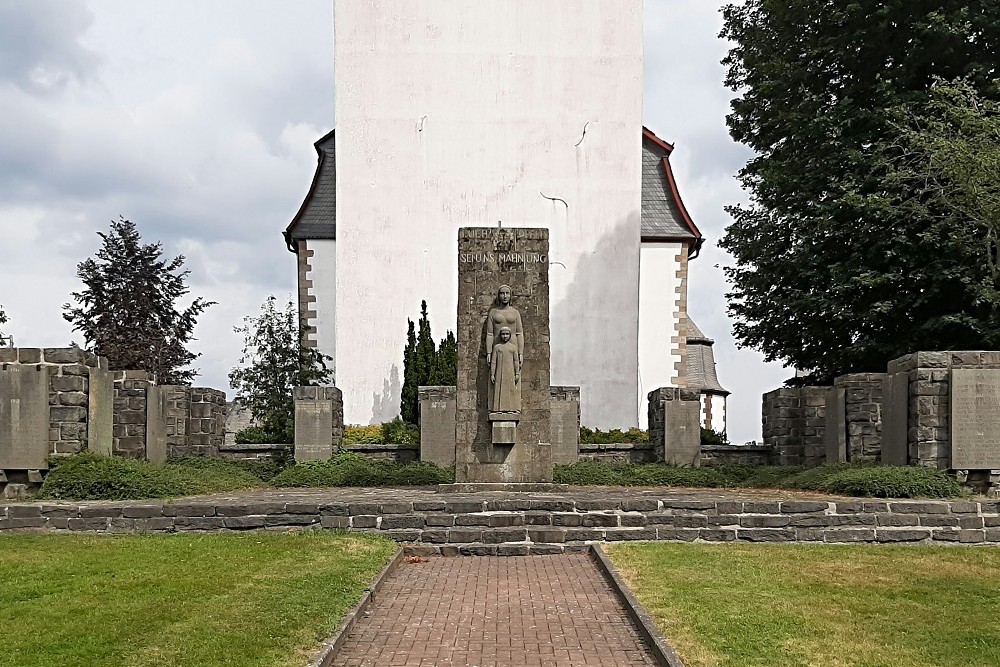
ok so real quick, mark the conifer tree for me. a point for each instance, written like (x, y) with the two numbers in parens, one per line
(408, 399)
(424, 364)
(127, 310)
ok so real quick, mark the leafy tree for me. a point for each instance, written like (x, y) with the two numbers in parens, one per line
(424, 364)
(3, 320)
(275, 361)
(127, 310)
(837, 268)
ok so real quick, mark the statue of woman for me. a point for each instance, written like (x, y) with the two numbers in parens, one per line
(505, 374)
(504, 315)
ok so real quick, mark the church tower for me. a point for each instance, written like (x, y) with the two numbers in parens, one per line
(453, 113)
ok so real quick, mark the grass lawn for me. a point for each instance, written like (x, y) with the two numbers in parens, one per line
(179, 600)
(823, 606)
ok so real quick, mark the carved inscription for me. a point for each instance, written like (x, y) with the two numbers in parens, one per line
(975, 419)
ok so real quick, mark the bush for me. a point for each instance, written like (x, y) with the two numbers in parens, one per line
(893, 482)
(363, 435)
(258, 435)
(347, 469)
(263, 469)
(89, 476)
(398, 432)
(710, 436)
(598, 437)
(863, 480)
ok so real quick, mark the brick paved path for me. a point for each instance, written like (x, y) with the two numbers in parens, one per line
(493, 611)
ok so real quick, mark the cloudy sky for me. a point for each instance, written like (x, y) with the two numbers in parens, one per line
(196, 120)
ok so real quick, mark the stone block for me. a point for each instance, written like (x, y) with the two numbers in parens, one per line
(437, 425)
(766, 534)
(901, 535)
(564, 424)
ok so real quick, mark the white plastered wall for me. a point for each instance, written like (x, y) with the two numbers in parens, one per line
(323, 274)
(718, 412)
(659, 320)
(455, 113)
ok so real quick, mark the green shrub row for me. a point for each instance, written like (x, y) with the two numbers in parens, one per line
(863, 480)
(89, 476)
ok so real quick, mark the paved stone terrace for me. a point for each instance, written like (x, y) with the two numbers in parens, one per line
(541, 523)
(529, 611)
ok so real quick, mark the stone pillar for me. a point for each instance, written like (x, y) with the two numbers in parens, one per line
(206, 421)
(863, 410)
(836, 425)
(437, 425)
(487, 259)
(895, 417)
(565, 424)
(675, 425)
(130, 414)
(100, 410)
(319, 422)
(794, 424)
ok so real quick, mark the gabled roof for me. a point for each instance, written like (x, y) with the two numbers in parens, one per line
(700, 366)
(664, 216)
(317, 217)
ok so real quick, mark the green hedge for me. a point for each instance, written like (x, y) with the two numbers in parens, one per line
(864, 480)
(349, 469)
(89, 476)
(595, 436)
(396, 432)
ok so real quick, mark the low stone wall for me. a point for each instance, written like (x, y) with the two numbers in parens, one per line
(618, 452)
(510, 524)
(255, 452)
(736, 455)
(390, 452)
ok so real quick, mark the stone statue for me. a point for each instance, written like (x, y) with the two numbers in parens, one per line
(504, 315)
(505, 374)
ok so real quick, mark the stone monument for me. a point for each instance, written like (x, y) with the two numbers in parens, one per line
(502, 431)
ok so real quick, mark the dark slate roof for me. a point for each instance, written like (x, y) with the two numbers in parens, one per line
(317, 217)
(663, 213)
(701, 361)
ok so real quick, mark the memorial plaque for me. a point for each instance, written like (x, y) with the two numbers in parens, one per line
(975, 419)
(313, 430)
(24, 417)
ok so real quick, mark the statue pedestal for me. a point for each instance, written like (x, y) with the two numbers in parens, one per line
(504, 432)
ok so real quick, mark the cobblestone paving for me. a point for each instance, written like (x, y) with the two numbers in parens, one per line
(518, 611)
